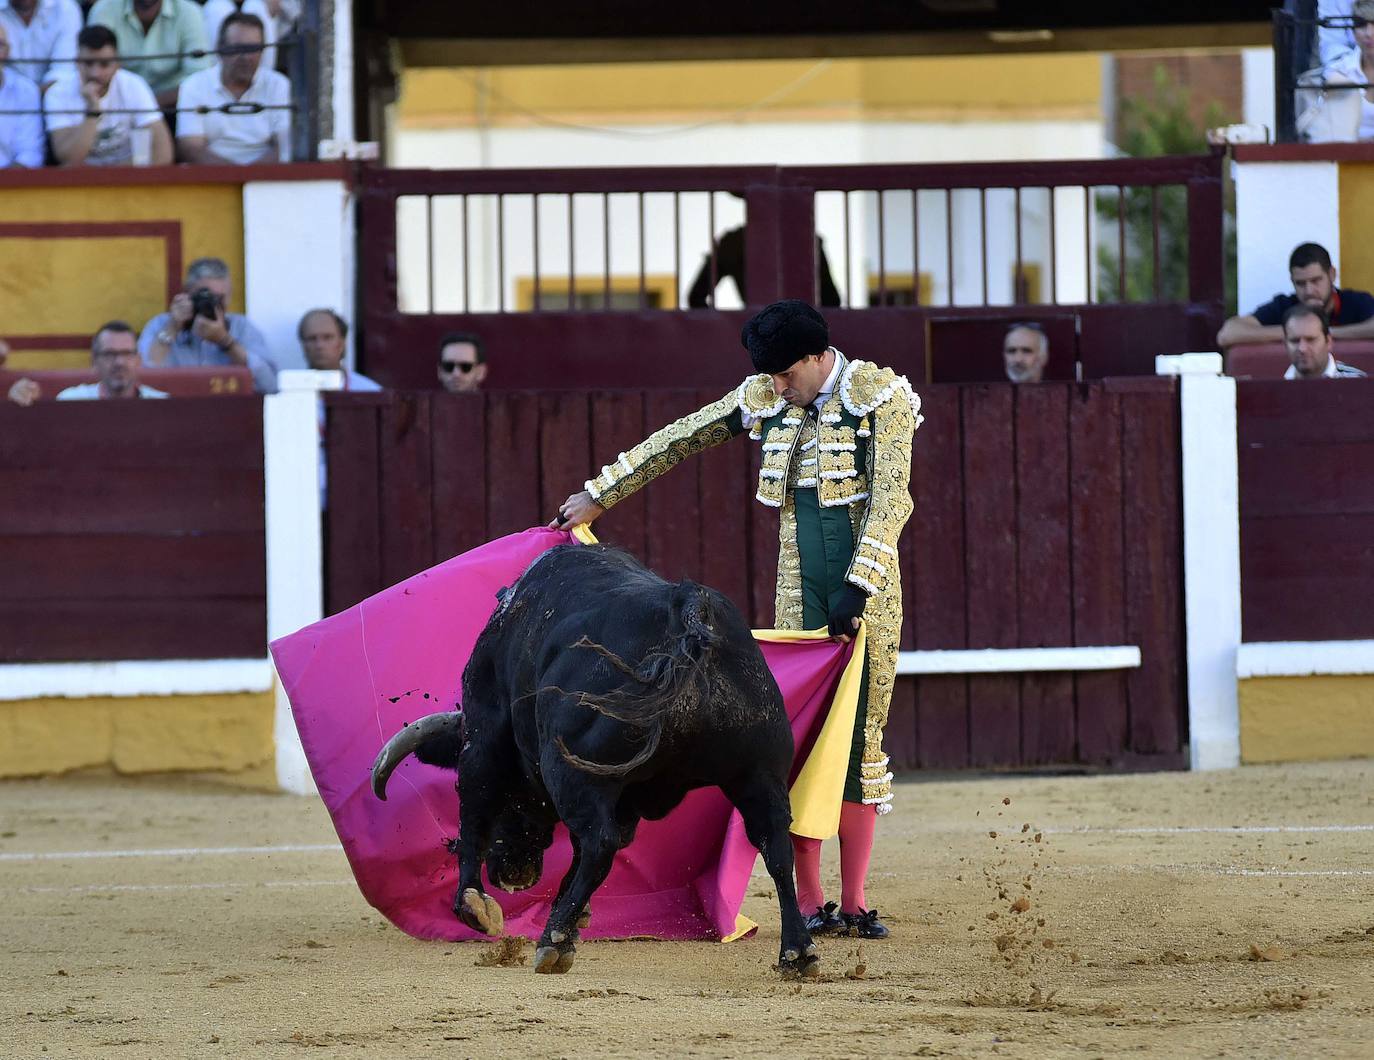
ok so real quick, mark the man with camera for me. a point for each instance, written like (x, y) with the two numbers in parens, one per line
(196, 331)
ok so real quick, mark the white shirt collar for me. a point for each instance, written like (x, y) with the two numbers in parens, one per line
(828, 387)
(1329, 372)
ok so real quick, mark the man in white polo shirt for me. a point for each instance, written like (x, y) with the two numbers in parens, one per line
(92, 116)
(40, 31)
(219, 138)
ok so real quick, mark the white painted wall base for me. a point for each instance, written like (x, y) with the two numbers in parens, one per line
(1211, 555)
(1305, 658)
(1018, 660)
(154, 677)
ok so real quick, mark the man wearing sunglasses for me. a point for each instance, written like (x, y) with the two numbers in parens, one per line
(462, 364)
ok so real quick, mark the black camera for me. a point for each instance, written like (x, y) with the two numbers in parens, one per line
(205, 303)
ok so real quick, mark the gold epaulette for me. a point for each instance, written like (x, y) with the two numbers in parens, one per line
(863, 387)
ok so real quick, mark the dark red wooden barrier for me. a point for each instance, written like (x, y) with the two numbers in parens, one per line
(1306, 509)
(132, 530)
(1045, 516)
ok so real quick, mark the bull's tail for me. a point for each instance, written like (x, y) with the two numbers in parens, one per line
(435, 739)
(668, 678)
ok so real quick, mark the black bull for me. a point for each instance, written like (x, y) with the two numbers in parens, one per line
(600, 695)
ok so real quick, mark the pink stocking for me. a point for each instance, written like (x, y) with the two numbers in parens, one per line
(857, 824)
(807, 855)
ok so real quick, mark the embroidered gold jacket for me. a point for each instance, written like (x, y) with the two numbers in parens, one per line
(861, 457)
(855, 453)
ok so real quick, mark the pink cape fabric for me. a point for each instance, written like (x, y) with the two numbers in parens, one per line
(355, 678)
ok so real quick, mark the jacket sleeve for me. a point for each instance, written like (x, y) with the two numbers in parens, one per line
(889, 489)
(713, 425)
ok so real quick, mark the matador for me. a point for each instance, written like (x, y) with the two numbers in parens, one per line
(836, 436)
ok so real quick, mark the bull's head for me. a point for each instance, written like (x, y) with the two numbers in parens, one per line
(515, 860)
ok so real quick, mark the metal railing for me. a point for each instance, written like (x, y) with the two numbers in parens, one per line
(957, 235)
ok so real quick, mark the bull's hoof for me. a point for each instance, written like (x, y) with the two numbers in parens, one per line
(804, 965)
(480, 912)
(584, 918)
(553, 960)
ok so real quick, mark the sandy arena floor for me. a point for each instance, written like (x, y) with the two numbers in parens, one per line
(1174, 914)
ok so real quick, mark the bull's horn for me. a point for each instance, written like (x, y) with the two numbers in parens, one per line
(407, 741)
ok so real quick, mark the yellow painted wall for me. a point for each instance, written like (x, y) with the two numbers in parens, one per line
(1357, 221)
(70, 286)
(228, 734)
(958, 88)
(1306, 719)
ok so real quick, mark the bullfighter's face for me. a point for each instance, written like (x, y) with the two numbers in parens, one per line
(800, 384)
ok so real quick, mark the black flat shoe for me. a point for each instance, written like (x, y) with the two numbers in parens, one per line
(865, 925)
(825, 920)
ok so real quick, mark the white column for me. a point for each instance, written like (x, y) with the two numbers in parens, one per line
(1257, 87)
(295, 552)
(343, 71)
(1278, 206)
(1211, 555)
(298, 243)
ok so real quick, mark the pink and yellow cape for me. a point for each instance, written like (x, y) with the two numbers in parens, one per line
(356, 677)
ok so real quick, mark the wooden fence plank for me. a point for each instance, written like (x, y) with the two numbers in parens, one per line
(617, 426)
(458, 441)
(763, 548)
(1044, 578)
(990, 557)
(93, 500)
(407, 487)
(726, 497)
(675, 514)
(937, 563)
(191, 433)
(132, 566)
(95, 630)
(1293, 589)
(1153, 568)
(565, 452)
(352, 523)
(1307, 480)
(512, 463)
(1272, 413)
(1099, 609)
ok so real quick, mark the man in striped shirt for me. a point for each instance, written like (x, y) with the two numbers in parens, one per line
(1307, 334)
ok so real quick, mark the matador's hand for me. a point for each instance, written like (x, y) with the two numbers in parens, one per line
(577, 510)
(844, 616)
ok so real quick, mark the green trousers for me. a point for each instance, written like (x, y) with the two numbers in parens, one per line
(825, 539)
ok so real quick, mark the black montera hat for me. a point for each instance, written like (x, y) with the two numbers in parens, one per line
(780, 335)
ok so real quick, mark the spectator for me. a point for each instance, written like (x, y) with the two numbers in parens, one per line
(323, 334)
(1307, 333)
(39, 32)
(462, 364)
(1350, 312)
(114, 353)
(1331, 101)
(216, 11)
(218, 138)
(171, 28)
(22, 391)
(196, 331)
(1333, 40)
(21, 114)
(730, 263)
(94, 116)
(1025, 349)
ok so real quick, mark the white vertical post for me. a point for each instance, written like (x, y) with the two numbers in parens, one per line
(295, 552)
(1211, 555)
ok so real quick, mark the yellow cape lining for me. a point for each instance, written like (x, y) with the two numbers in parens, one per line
(819, 787)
